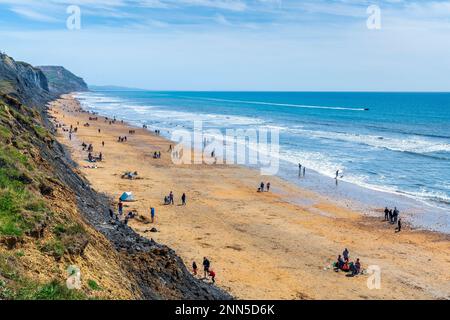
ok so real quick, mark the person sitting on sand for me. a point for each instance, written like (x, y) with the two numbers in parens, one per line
(346, 266)
(340, 262)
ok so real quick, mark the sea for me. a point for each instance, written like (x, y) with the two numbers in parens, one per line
(391, 149)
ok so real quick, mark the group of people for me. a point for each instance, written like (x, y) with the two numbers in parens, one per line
(117, 217)
(122, 139)
(169, 200)
(301, 170)
(393, 216)
(263, 187)
(157, 155)
(207, 271)
(343, 263)
(91, 158)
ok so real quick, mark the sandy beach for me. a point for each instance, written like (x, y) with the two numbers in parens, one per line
(261, 245)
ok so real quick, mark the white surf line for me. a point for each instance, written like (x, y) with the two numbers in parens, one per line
(282, 104)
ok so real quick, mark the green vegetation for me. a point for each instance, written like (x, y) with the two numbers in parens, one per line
(93, 285)
(54, 248)
(19, 208)
(16, 287)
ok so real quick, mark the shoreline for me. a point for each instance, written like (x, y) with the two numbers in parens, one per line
(261, 246)
(367, 199)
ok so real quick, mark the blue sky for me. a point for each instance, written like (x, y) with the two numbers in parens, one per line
(237, 44)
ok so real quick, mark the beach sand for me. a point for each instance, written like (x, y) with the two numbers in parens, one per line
(261, 245)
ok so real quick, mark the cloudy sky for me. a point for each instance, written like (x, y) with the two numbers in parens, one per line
(299, 45)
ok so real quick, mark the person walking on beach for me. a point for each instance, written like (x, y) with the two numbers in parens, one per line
(268, 186)
(262, 186)
(183, 199)
(206, 266)
(304, 171)
(399, 225)
(391, 216)
(152, 214)
(194, 268)
(386, 214)
(171, 198)
(396, 214)
(337, 174)
(120, 208)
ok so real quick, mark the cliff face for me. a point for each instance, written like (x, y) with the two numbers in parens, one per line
(23, 82)
(51, 219)
(62, 81)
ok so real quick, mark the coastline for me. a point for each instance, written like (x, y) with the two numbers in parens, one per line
(417, 209)
(261, 245)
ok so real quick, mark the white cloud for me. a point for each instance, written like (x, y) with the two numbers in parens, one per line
(33, 15)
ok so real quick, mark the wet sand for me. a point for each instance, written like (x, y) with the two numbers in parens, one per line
(261, 245)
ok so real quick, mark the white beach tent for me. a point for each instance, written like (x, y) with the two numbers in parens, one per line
(127, 196)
